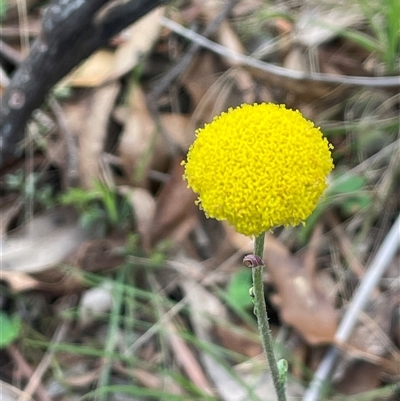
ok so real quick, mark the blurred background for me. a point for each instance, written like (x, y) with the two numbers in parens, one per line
(114, 286)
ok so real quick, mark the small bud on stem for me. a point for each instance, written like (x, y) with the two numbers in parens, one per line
(252, 261)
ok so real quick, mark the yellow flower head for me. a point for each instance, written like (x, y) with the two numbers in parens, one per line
(258, 166)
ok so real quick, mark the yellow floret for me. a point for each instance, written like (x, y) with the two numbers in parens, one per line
(258, 166)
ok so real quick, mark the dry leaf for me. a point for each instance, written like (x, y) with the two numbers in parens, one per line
(368, 377)
(18, 281)
(43, 242)
(174, 205)
(203, 305)
(144, 207)
(11, 393)
(318, 23)
(302, 304)
(105, 65)
(93, 72)
(98, 255)
(94, 131)
(187, 360)
(10, 207)
(91, 256)
(141, 37)
(199, 78)
(238, 342)
(140, 147)
(176, 126)
(84, 380)
(94, 303)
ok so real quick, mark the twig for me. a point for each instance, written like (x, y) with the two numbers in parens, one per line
(9, 53)
(37, 375)
(375, 272)
(390, 81)
(26, 371)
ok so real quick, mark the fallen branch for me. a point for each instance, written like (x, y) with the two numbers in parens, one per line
(71, 31)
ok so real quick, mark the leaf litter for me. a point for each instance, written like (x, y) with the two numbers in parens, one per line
(177, 332)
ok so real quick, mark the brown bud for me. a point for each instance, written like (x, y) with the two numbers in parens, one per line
(252, 261)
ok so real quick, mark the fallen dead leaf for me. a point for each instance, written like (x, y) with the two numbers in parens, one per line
(198, 78)
(144, 208)
(302, 303)
(176, 127)
(93, 72)
(368, 377)
(91, 256)
(141, 37)
(93, 133)
(83, 380)
(10, 207)
(238, 342)
(18, 281)
(140, 147)
(98, 255)
(204, 305)
(317, 23)
(174, 205)
(94, 303)
(11, 393)
(43, 242)
(106, 65)
(187, 359)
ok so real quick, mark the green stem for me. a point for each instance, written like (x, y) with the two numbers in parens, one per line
(262, 319)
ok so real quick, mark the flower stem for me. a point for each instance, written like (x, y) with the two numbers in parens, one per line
(262, 319)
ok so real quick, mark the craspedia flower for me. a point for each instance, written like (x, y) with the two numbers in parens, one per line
(258, 167)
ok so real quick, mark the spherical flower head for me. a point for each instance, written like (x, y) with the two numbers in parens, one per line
(258, 167)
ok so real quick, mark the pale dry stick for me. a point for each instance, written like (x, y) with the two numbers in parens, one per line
(23, 25)
(26, 371)
(10, 53)
(44, 363)
(389, 81)
(372, 276)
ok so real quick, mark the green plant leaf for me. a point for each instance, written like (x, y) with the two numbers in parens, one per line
(238, 289)
(356, 203)
(9, 329)
(350, 183)
(3, 9)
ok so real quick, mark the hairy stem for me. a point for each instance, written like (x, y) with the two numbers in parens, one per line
(262, 319)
